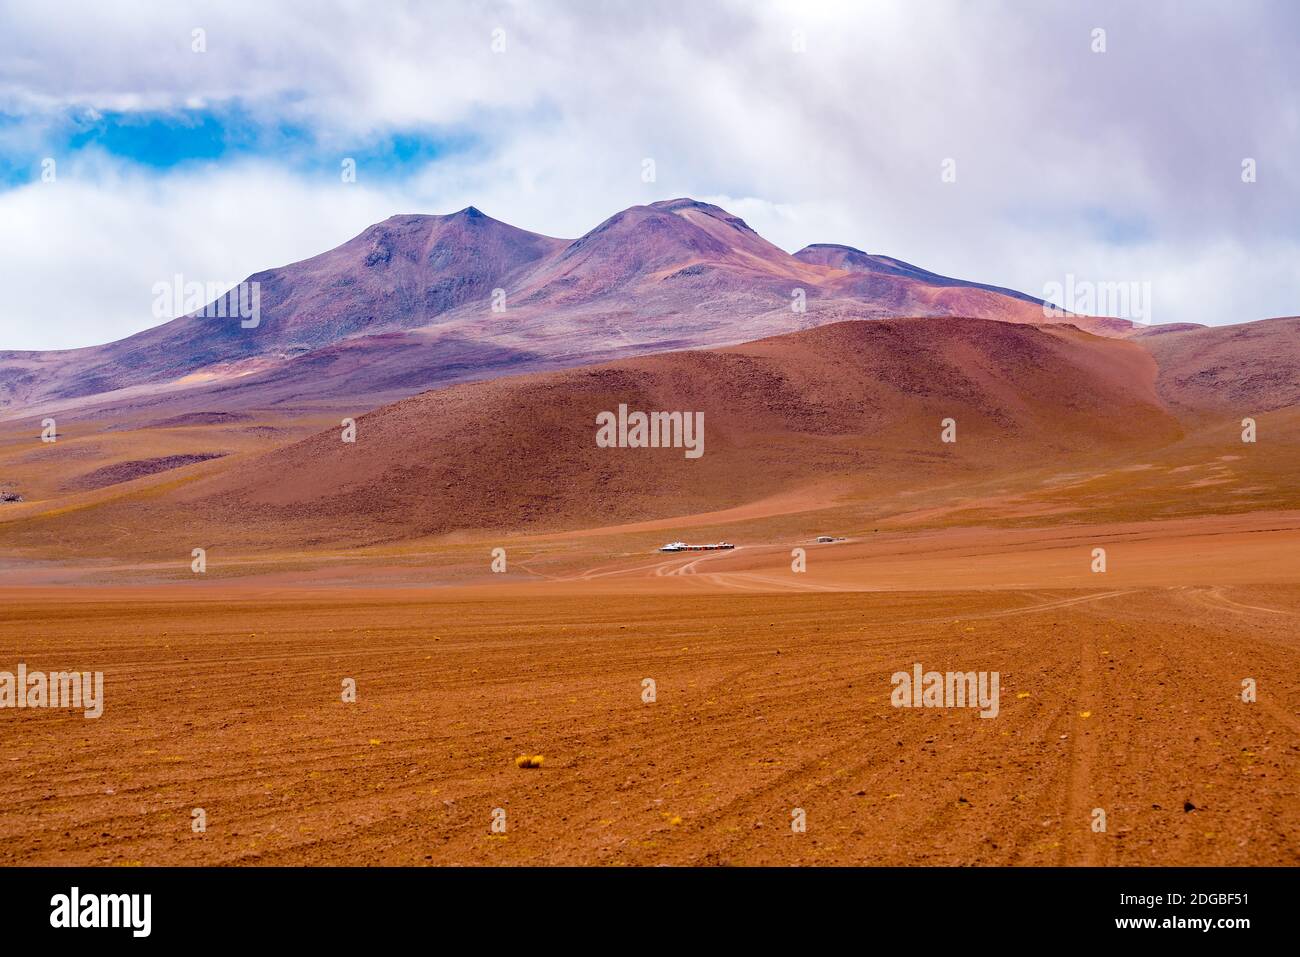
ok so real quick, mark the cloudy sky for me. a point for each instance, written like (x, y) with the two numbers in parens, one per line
(217, 153)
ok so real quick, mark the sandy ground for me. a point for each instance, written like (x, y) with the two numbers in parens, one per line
(229, 699)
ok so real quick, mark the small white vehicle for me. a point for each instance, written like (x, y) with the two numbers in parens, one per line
(683, 547)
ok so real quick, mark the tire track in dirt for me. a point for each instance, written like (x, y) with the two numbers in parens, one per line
(1080, 796)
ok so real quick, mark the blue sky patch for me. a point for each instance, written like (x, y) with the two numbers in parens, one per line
(169, 140)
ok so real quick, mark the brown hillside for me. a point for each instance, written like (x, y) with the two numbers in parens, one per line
(861, 398)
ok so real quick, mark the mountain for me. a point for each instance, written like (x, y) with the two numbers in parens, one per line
(1051, 420)
(403, 273)
(679, 242)
(917, 291)
(860, 401)
(420, 301)
(849, 259)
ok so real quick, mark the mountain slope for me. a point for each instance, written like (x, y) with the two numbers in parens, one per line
(1239, 370)
(860, 400)
(671, 275)
(835, 256)
(403, 273)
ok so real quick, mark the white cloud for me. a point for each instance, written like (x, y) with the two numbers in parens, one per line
(81, 256)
